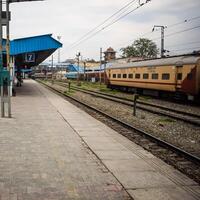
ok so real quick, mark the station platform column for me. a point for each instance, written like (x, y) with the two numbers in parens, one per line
(5, 93)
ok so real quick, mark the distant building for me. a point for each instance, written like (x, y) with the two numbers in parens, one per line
(110, 54)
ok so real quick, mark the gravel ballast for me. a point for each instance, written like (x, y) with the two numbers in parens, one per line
(178, 133)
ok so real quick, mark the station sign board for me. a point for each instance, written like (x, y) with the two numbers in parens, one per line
(4, 17)
(30, 57)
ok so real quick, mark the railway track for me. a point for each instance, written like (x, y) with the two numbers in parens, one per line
(190, 118)
(180, 159)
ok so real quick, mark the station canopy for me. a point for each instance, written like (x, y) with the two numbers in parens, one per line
(32, 51)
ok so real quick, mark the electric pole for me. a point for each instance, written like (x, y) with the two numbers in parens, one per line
(84, 69)
(162, 50)
(100, 65)
(5, 73)
(1, 63)
(8, 56)
(59, 38)
(52, 68)
(78, 61)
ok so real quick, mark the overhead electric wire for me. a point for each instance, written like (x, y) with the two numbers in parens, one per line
(85, 38)
(167, 27)
(182, 31)
(184, 21)
(185, 49)
(178, 32)
(183, 44)
(124, 11)
(95, 33)
(113, 22)
(121, 17)
(102, 23)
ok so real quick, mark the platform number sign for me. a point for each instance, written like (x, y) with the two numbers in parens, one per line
(30, 57)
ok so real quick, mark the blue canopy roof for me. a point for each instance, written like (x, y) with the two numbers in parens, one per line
(33, 44)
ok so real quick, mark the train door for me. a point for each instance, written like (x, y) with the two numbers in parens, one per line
(108, 76)
(178, 77)
(189, 85)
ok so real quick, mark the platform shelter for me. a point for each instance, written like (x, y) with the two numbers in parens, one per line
(30, 51)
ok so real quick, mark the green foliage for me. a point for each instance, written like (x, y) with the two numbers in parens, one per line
(142, 47)
(166, 120)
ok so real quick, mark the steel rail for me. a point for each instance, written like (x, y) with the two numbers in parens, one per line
(130, 103)
(158, 141)
(141, 102)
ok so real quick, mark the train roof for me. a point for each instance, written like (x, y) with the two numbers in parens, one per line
(178, 60)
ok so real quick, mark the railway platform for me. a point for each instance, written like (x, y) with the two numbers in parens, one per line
(52, 150)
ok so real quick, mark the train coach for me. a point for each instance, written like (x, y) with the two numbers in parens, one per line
(177, 76)
(87, 76)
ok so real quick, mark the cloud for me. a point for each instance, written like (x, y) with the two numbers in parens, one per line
(72, 19)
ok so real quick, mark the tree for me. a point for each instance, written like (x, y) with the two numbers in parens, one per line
(142, 47)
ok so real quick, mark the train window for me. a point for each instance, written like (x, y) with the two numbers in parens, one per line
(179, 76)
(137, 76)
(118, 75)
(124, 75)
(130, 76)
(114, 75)
(189, 76)
(154, 76)
(165, 76)
(145, 76)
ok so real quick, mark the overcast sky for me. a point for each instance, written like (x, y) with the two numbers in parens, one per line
(71, 19)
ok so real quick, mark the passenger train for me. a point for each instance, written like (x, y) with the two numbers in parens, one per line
(178, 76)
(87, 76)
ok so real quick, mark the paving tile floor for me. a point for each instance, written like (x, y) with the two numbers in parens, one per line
(53, 150)
(43, 158)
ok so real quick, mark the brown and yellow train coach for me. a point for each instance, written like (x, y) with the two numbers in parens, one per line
(178, 76)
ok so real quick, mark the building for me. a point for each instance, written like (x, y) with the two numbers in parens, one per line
(109, 54)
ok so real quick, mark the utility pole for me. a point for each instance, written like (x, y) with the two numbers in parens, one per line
(78, 60)
(9, 85)
(1, 63)
(52, 69)
(5, 73)
(59, 38)
(100, 65)
(84, 69)
(162, 38)
(105, 62)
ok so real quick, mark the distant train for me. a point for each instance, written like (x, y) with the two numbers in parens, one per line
(87, 76)
(177, 76)
(41, 75)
